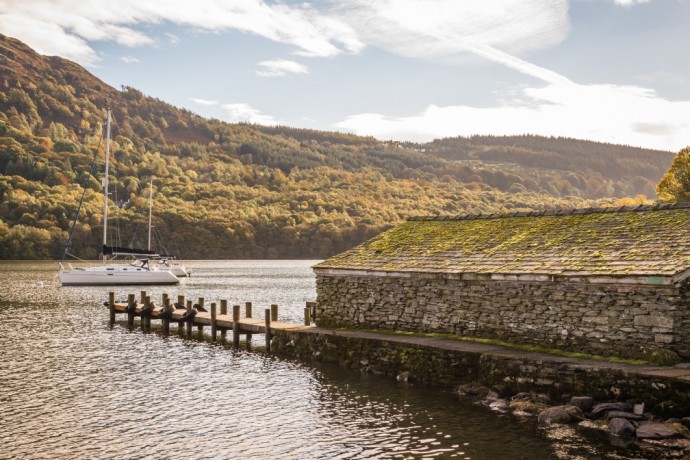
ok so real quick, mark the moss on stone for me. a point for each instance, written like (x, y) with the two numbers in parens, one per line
(652, 357)
(631, 242)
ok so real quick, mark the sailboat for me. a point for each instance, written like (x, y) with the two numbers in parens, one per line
(166, 261)
(139, 272)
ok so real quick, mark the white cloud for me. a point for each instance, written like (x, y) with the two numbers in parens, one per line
(280, 68)
(448, 29)
(205, 102)
(244, 113)
(46, 38)
(172, 38)
(629, 2)
(518, 64)
(453, 31)
(498, 31)
(607, 113)
(71, 24)
(435, 29)
(665, 76)
(129, 59)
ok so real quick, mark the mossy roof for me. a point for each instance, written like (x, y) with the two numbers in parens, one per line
(642, 241)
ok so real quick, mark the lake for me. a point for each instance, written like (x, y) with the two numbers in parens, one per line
(72, 386)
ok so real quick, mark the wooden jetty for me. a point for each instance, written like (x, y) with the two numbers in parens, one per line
(187, 315)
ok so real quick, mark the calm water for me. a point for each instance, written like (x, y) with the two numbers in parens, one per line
(73, 387)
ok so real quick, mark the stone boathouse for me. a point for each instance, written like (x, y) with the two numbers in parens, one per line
(612, 281)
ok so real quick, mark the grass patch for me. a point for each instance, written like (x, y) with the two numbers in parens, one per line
(510, 345)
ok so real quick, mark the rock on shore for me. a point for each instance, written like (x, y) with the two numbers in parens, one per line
(622, 420)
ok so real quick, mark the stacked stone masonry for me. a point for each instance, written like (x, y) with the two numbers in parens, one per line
(627, 320)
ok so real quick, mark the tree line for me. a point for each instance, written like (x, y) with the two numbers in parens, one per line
(245, 191)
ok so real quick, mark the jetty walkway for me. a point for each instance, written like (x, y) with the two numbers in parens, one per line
(189, 315)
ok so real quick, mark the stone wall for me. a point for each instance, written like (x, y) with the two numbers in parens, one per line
(628, 320)
(428, 365)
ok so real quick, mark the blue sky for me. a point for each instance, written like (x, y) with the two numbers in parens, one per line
(608, 70)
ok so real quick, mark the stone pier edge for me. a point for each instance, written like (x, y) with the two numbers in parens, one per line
(447, 363)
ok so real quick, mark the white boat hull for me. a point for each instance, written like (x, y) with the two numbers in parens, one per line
(176, 269)
(109, 275)
(179, 271)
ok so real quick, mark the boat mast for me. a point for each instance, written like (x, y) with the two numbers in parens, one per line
(150, 206)
(105, 182)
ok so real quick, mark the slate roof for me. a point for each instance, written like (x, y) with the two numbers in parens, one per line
(642, 241)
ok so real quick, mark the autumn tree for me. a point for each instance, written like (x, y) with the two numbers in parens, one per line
(675, 185)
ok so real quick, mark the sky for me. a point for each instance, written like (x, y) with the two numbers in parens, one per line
(614, 71)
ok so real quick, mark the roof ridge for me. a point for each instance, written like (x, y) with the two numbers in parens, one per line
(556, 212)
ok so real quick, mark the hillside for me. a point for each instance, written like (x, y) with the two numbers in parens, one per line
(244, 191)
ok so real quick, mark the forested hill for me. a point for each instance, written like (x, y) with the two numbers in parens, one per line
(244, 191)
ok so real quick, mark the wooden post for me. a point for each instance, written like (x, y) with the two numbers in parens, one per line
(180, 324)
(166, 320)
(213, 321)
(189, 323)
(235, 325)
(248, 314)
(146, 318)
(274, 312)
(200, 326)
(148, 315)
(142, 296)
(111, 305)
(163, 306)
(312, 308)
(267, 324)
(307, 316)
(131, 300)
(223, 311)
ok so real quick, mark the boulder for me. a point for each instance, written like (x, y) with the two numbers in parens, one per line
(590, 425)
(583, 402)
(500, 405)
(600, 410)
(537, 398)
(473, 390)
(561, 415)
(660, 430)
(528, 407)
(626, 415)
(621, 427)
(685, 421)
(499, 391)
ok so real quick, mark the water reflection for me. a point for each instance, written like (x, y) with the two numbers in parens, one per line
(72, 387)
